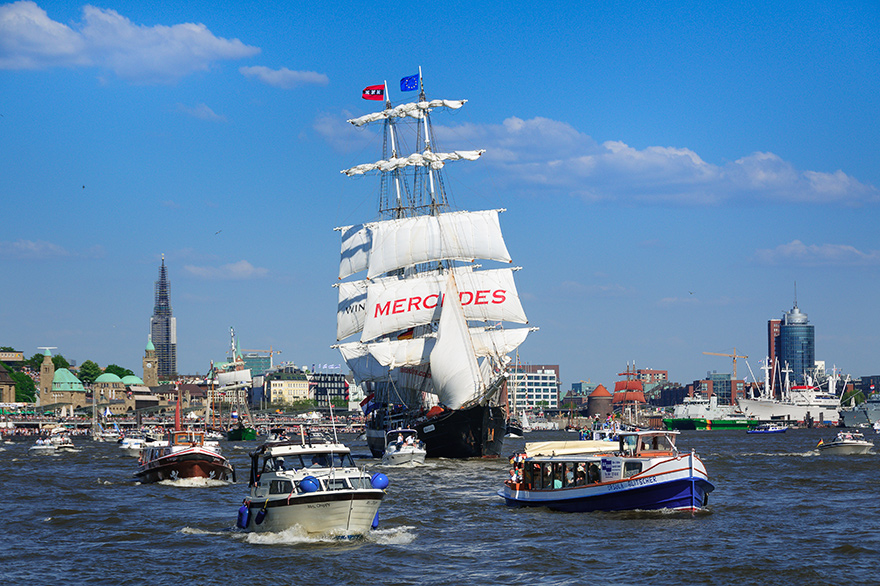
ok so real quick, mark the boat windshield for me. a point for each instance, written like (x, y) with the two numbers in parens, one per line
(300, 461)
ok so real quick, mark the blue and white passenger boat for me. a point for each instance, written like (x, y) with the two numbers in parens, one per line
(646, 472)
(768, 428)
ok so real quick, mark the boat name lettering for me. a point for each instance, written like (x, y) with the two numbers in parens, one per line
(415, 371)
(635, 482)
(417, 303)
(318, 505)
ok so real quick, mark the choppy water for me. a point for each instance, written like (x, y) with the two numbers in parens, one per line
(780, 514)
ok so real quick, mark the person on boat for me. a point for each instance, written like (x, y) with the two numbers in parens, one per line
(318, 461)
(409, 441)
(279, 464)
(593, 473)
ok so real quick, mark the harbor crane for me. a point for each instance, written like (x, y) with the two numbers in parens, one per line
(734, 356)
(270, 352)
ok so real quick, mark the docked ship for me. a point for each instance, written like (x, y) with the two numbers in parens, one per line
(431, 343)
(796, 403)
(862, 415)
(704, 413)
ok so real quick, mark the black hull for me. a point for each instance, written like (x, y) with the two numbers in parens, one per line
(475, 432)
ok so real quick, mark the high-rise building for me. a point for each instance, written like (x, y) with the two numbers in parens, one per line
(163, 328)
(797, 344)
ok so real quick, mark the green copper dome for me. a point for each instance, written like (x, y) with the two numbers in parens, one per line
(108, 377)
(150, 346)
(132, 380)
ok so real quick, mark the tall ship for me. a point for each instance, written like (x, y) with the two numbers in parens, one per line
(797, 403)
(422, 324)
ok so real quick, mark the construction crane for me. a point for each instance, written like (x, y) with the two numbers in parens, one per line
(270, 352)
(734, 356)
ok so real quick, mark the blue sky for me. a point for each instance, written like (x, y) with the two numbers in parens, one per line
(670, 170)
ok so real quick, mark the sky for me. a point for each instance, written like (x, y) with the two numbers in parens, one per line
(674, 173)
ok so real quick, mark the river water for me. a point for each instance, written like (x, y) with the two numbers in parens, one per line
(780, 514)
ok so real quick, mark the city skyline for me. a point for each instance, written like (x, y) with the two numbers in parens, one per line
(669, 172)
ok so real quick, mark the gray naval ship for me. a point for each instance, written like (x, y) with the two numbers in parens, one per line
(863, 415)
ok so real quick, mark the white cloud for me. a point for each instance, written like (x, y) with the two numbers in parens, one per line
(551, 158)
(29, 39)
(800, 254)
(202, 112)
(284, 78)
(32, 250)
(237, 271)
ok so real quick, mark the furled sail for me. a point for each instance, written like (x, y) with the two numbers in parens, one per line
(412, 109)
(396, 304)
(454, 369)
(425, 159)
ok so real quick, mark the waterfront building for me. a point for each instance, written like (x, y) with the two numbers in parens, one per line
(108, 387)
(579, 393)
(534, 386)
(67, 394)
(797, 344)
(286, 386)
(599, 402)
(47, 375)
(163, 327)
(328, 388)
(151, 367)
(7, 387)
(721, 385)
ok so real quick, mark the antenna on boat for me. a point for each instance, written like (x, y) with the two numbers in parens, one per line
(333, 423)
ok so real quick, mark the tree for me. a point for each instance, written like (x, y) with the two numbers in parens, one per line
(118, 370)
(25, 389)
(34, 362)
(59, 361)
(89, 371)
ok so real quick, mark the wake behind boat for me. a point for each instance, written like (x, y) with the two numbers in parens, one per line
(431, 343)
(646, 472)
(312, 484)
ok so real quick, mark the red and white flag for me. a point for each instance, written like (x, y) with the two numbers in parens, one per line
(374, 92)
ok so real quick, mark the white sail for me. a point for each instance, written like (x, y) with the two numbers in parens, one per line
(462, 236)
(396, 304)
(356, 244)
(454, 369)
(392, 353)
(412, 109)
(498, 342)
(351, 308)
(363, 366)
(384, 246)
(425, 159)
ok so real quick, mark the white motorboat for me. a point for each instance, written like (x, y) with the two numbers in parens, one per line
(58, 440)
(642, 470)
(312, 484)
(134, 443)
(402, 446)
(846, 442)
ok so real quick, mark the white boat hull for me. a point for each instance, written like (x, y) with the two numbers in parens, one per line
(764, 409)
(846, 448)
(344, 513)
(405, 456)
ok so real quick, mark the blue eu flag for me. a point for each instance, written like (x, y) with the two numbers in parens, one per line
(411, 83)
